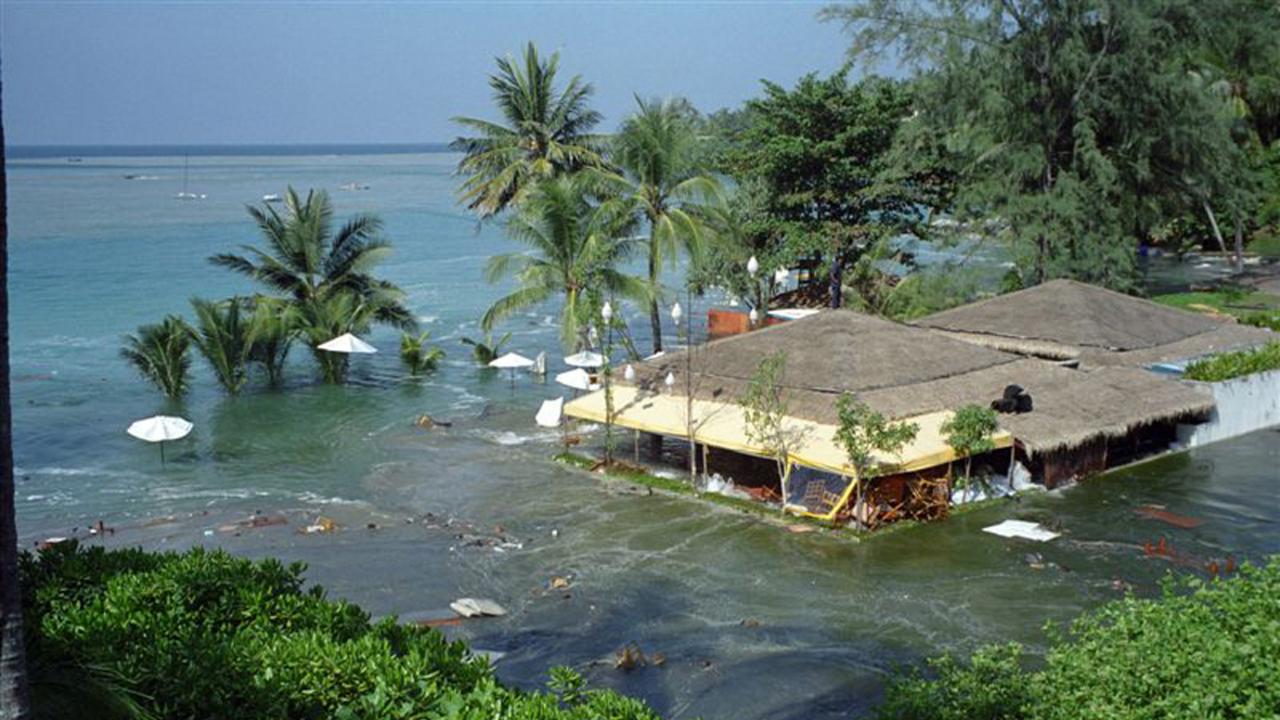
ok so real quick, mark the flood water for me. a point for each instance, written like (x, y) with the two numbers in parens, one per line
(754, 622)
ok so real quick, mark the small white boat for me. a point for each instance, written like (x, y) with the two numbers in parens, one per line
(351, 186)
(272, 198)
(185, 194)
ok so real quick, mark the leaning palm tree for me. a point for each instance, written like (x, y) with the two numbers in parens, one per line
(663, 185)
(546, 132)
(305, 259)
(577, 245)
(486, 350)
(161, 353)
(221, 334)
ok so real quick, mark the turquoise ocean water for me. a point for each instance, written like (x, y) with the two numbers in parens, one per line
(754, 622)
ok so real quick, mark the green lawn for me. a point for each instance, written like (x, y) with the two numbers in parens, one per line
(1223, 301)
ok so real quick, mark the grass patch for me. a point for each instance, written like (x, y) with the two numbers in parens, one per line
(1226, 366)
(1237, 303)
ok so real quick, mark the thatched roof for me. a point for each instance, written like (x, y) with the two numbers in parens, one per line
(1222, 338)
(1057, 317)
(833, 351)
(904, 372)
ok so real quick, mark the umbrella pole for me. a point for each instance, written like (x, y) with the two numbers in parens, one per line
(161, 453)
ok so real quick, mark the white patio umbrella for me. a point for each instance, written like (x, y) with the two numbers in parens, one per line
(585, 359)
(347, 343)
(159, 428)
(578, 379)
(512, 361)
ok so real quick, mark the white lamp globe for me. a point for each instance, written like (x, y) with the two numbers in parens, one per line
(753, 265)
(629, 373)
(676, 312)
(671, 379)
(606, 312)
(755, 316)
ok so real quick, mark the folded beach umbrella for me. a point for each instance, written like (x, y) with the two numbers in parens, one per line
(512, 361)
(550, 412)
(160, 428)
(347, 343)
(577, 379)
(585, 359)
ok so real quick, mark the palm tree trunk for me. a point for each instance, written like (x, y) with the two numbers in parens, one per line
(14, 701)
(836, 287)
(1239, 248)
(1213, 223)
(655, 316)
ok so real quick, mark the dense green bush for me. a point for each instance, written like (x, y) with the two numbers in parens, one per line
(1225, 366)
(205, 635)
(1263, 319)
(1202, 650)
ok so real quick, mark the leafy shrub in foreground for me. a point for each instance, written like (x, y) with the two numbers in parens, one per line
(1213, 652)
(1228, 365)
(202, 634)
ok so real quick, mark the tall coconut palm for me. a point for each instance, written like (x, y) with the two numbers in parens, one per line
(576, 246)
(544, 131)
(161, 353)
(14, 698)
(662, 183)
(221, 334)
(305, 259)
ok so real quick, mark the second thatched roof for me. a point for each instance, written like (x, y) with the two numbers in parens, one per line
(1061, 317)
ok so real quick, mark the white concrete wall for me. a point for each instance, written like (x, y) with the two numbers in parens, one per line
(1244, 404)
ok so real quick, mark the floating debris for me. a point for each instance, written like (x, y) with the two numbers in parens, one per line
(558, 583)
(321, 525)
(477, 607)
(1157, 512)
(1021, 529)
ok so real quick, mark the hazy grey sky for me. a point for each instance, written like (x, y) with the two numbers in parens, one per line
(294, 72)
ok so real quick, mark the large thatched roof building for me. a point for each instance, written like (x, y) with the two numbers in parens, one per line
(905, 372)
(1069, 320)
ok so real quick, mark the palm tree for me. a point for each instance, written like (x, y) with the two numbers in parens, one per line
(576, 247)
(486, 351)
(161, 353)
(221, 334)
(327, 316)
(416, 355)
(663, 185)
(273, 326)
(305, 260)
(546, 132)
(14, 697)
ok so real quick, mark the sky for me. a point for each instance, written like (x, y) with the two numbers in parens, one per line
(139, 73)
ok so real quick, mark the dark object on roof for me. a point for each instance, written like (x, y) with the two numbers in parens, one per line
(1014, 400)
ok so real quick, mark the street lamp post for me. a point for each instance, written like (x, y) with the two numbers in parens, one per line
(606, 315)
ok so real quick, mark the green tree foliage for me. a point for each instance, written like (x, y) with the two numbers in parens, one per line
(161, 353)
(1202, 650)
(820, 152)
(221, 334)
(969, 431)
(205, 635)
(577, 245)
(415, 354)
(306, 261)
(764, 406)
(328, 316)
(863, 433)
(273, 326)
(546, 133)
(1071, 124)
(664, 187)
(1228, 365)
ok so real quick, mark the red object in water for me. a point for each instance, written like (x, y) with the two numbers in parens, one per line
(1182, 521)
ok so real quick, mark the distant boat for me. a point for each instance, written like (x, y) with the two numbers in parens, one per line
(354, 186)
(272, 198)
(185, 194)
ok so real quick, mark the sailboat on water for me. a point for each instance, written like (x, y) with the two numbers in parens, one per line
(186, 194)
